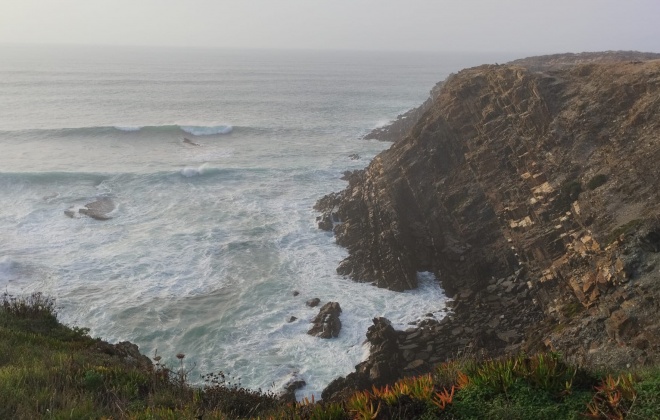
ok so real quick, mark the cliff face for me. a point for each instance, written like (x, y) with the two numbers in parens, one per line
(490, 176)
(523, 191)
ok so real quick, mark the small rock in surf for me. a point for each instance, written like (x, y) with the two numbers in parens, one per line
(186, 140)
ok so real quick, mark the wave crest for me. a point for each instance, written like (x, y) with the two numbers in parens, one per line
(200, 130)
(190, 171)
(194, 130)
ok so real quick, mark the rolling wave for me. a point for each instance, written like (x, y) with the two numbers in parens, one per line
(96, 178)
(193, 130)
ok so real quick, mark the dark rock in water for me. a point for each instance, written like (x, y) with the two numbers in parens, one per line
(328, 207)
(289, 393)
(190, 142)
(293, 318)
(351, 176)
(354, 156)
(98, 209)
(312, 303)
(327, 323)
(296, 293)
(383, 366)
(325, 222)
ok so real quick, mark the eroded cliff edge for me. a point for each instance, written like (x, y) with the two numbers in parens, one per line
(533, 195)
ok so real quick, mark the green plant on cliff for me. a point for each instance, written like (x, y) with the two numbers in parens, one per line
(622, 230)
(569, 191)
(597, 181)
(48, 370)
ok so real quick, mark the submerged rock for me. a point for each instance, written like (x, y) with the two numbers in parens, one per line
(98, 209)
(190, 142)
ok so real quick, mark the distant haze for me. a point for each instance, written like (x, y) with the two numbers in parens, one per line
(524, 26)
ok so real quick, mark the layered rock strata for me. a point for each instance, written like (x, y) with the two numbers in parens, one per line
(533, 196)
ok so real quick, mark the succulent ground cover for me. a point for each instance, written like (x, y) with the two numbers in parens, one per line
(49, 370)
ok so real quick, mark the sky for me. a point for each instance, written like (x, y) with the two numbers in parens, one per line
(529, 26)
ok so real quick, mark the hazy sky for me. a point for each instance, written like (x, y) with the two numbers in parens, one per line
(439, 25)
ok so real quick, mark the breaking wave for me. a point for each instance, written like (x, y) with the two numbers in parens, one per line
(194, 130)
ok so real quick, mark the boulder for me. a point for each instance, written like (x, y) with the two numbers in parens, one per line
(98, 209)
(288, 394)
(314, 302)
(382, 367)
(327, 323)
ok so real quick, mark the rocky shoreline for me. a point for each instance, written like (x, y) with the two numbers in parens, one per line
(531, 191)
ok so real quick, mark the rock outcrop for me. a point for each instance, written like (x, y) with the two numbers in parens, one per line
(327, 324)
(382, 367)
(98, 209)
(533, 195)
(124, 350)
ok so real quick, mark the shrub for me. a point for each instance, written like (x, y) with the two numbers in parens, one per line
(35, 305)
(597, 181)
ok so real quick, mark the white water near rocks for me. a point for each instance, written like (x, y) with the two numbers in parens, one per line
(206, 244)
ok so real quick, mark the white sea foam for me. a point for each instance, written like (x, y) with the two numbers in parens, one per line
(382, 123)
(200, 130)
(203, 265)
(190, 171)
(128, 128)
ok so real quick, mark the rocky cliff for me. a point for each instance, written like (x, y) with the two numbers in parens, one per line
(532, 191)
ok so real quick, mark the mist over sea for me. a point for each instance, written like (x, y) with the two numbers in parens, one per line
(206, 244)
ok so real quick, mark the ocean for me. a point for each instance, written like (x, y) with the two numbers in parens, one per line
(205, 244)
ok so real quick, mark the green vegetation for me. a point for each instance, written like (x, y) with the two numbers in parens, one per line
(597, 181)
(622, 230)
(48, 370)
(569, 191)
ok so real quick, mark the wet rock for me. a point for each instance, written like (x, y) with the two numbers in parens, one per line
(354, 156)
(98, 209)
(327, 323)
(325, 222)
(383, 366)
(189, 142)
(292, 319)
(288, 394)
(314, 302)
(296, 293)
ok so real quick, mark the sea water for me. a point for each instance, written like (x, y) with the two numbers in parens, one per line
(206, 243)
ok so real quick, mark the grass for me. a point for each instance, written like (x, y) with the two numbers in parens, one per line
(48, 370)
(51, 371)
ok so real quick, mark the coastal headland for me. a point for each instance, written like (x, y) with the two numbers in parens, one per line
(531, 190)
